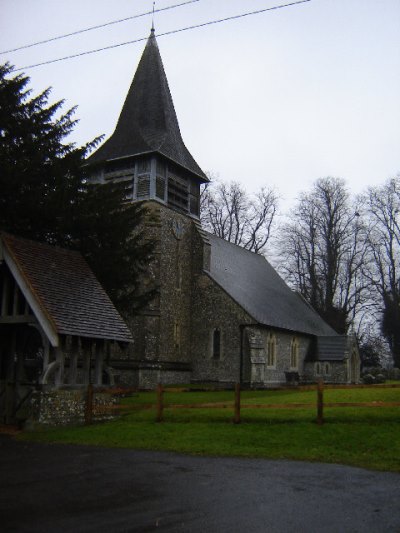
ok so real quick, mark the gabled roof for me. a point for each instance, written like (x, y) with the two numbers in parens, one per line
(254, 284)
(64, 290)
(148, 121)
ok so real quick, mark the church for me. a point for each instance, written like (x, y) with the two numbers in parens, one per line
(222, 314)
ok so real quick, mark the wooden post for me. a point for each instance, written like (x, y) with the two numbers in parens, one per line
(98, 364)
(89, 405)
(60, 358)
(320, 402)
(160, 405)
(236, 419)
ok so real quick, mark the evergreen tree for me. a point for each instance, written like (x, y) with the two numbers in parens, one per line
(45, 194)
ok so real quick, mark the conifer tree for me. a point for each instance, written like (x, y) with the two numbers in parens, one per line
(45, 194)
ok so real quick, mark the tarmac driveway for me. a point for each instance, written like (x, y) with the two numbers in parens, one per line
(58, 488)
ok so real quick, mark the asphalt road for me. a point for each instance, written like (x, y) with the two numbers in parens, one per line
(58, 488)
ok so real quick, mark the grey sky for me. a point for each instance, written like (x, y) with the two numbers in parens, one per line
(279, 98)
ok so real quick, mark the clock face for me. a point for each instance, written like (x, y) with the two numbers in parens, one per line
(178, 229)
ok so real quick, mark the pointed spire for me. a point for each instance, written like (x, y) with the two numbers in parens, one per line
(152, 20)
(148, 122)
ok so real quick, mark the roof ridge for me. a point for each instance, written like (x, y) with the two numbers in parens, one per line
(57, 247)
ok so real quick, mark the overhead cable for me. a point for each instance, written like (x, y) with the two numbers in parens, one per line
(51, 39)
(187, 28)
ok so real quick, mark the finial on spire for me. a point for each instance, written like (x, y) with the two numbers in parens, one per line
(152, 21)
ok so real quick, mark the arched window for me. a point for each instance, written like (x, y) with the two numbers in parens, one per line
(271, 351)
(177, 337)
(216, 346)
(317, 369)
(179, 275)
(294, 354)
(327, 369)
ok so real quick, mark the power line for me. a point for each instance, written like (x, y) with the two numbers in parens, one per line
(51, 39)
(209, 23)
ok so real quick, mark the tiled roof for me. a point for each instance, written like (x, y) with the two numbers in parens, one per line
(67, 290)
(148, 121)
(254, 284)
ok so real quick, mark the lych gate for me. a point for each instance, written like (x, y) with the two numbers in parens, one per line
(56, 324)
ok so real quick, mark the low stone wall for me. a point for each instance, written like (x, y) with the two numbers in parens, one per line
(61, 407)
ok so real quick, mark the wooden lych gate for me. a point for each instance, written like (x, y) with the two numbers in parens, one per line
(56, 324)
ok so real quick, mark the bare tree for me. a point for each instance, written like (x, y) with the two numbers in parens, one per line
(323, 250)
(383, 272)
(228, 211)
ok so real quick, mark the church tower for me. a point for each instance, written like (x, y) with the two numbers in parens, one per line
(146, 147)
(147, 152)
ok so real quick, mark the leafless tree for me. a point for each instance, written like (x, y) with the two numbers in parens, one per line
(323, 249)
(383, 273)
(228, 211)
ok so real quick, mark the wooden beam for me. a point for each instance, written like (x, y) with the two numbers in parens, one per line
(20, 319)
(99, 358)
(73, 361)
(26, 290)
(15, 300)
(60, 358)
(5, 296)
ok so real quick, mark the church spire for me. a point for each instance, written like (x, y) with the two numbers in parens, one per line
(148, 122)
(152, 20)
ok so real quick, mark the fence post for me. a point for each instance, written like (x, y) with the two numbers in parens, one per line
(89, 405)
(160, 405)
(236, 419)
(320, 402)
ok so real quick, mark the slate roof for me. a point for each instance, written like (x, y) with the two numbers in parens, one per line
(254, 284)
(67, 290)
(148, 121)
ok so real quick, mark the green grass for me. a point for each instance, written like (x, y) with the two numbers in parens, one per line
(365, 437)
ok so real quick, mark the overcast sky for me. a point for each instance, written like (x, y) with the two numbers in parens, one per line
(280, 98)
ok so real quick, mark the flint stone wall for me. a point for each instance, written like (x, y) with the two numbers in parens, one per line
(61, 407)
(337, 372)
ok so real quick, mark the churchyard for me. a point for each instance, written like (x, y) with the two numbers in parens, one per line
(275, 424)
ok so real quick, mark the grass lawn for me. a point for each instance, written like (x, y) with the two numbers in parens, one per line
(366, 437)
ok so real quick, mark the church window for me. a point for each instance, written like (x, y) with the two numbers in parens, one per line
(161, 168)
(143, 167)
(294, 354)
(327, 369)
(177, 191)
(194, 198)
(179, 276)
(143, 187)
(160, 187)
(317, 369)
(160, 179)
(177, 336)
(271, 351)
(121, 170)
(216, 343)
